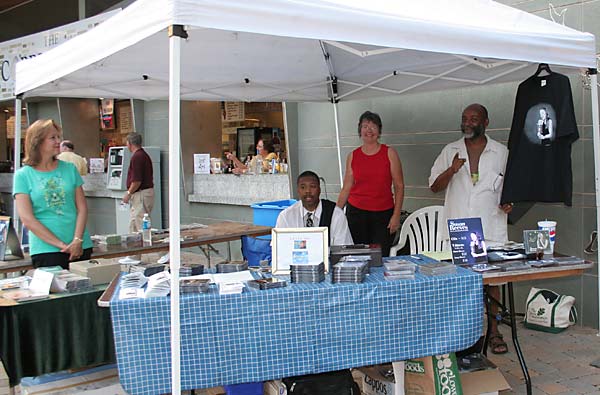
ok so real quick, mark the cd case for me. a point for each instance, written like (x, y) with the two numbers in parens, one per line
(267, 283)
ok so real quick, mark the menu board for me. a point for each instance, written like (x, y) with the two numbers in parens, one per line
(125, 117)
(232, 111)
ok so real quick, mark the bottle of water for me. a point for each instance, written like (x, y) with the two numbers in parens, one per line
(258, 163)
(146, 230)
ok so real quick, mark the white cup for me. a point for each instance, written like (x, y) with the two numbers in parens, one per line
(550, 226)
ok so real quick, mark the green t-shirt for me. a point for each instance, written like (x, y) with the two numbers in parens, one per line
(52, 196)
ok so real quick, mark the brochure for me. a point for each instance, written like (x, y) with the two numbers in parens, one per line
(466, 241)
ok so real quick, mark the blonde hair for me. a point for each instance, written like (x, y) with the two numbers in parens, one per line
(35, 135)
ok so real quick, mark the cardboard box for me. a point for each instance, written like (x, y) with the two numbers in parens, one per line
(372, 382)
(99, 272)
(483, 382)
(434, 375)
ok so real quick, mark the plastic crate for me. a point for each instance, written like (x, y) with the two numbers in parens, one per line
(266, 213)
(244, 389)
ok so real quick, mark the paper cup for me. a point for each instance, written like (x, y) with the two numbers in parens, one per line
(550, 226)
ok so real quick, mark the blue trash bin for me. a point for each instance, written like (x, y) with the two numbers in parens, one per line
(255, 249)
(244, 389)
(266, 213)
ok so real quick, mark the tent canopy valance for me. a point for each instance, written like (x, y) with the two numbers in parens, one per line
(274, 50)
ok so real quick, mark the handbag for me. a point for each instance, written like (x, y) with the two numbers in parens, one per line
(548, 311)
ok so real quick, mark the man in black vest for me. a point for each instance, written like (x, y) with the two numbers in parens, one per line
(313, 211)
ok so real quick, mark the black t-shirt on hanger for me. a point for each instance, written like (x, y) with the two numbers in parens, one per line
(542, 131)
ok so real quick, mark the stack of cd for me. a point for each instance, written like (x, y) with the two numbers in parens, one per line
(307, 272)
(147, 269)
(65, 281)
(350, 271)
(191, 269)
(231, 267)
(196, 285)
(437, 268)
(398, 269)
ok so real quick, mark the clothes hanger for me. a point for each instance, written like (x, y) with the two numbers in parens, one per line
(543, 67)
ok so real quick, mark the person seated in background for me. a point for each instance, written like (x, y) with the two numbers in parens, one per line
(313, 211)
(264, 149)
(67, 154)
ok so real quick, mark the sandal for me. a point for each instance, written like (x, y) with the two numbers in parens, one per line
(497, 344)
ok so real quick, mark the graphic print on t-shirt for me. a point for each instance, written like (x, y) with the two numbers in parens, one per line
(54, 194)
(540, 124)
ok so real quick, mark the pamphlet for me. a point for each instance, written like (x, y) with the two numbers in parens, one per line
(467, 241)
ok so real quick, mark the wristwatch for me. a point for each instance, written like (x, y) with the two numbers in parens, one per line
(78, 239)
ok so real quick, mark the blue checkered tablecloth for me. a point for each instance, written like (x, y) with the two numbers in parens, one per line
(300, 329)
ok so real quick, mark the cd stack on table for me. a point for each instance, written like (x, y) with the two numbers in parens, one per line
(191, 269)
(307, 272)
(398, 269)
(437, 268)
(147, 269)
(231, 267)
(196, 285)
(70, 282)
(350, 271)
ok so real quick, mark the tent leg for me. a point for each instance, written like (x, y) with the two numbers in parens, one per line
(17, 153)
(596, 141)
(337, 140)
(174, 209)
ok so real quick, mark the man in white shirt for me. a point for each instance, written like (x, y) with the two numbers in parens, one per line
(471, 171)
(67, 154)
(312, 211)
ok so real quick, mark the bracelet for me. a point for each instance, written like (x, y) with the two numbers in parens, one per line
(75, 238)
(127, 192)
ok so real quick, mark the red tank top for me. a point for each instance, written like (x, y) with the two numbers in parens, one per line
(372, 188)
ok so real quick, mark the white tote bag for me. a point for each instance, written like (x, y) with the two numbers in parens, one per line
(548, 311)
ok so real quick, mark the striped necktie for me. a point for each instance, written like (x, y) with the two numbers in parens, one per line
(309, 220)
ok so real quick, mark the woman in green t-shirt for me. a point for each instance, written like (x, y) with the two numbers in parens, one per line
(50, 200)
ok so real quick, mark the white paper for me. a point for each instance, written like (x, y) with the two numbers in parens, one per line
(96, 165)
(218, 278)
(299, 248)
(40, 284)
(201, 163)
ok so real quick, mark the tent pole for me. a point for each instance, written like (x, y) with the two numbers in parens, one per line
(596, 141)
(337, 141)
(17, 153)
(176, 32)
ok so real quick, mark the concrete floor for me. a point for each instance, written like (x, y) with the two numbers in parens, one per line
(558, 363)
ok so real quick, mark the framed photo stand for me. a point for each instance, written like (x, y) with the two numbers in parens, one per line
(299, 246)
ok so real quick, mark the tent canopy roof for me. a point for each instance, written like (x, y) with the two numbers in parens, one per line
(288, 50)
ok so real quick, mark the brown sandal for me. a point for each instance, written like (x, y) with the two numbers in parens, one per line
(497, 344)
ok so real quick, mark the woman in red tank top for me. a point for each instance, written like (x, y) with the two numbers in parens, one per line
(372, 209)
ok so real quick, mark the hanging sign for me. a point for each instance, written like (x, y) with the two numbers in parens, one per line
(36, 44)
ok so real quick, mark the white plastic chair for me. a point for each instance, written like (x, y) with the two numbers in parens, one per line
(422, 230)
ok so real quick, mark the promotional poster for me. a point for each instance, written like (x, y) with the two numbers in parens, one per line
(467, 241)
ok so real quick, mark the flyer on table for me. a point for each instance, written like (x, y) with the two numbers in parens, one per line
(467, 241)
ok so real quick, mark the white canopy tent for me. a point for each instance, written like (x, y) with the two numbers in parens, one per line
(298, 50)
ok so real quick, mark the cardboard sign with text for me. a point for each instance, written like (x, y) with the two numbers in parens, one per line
(435, 375)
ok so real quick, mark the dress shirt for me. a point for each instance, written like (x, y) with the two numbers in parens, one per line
(465, 200)
(295, 217)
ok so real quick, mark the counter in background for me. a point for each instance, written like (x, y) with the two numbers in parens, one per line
(240, 190)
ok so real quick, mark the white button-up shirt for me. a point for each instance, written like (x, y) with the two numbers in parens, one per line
(465, 200)
(295, 217)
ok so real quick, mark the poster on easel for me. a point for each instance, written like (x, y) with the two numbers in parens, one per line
(467, 241)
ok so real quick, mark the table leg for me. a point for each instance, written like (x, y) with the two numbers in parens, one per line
(490, 317)
(513, 328)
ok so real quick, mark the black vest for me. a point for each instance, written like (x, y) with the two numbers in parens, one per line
(326, 214)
